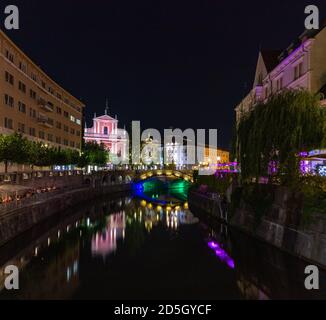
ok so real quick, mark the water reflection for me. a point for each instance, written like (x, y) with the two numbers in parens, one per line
(221, 253)
(162, 190)
(120, 242)
(105, 241)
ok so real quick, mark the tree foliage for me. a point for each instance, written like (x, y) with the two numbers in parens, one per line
(290, 122)
(17, 149)
(94, 154)
(13, 148)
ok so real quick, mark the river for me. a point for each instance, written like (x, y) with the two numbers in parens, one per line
(148, 245)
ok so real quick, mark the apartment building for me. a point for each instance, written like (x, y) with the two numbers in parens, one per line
(33, 104)
(214, 156)
(301, 65)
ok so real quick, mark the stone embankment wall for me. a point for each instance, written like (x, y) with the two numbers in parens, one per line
(282, 226)
(39, 207)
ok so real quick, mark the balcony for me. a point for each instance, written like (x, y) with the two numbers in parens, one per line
(45, 121)
(47, 106)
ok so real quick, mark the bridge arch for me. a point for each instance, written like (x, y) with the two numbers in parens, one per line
(185, 175)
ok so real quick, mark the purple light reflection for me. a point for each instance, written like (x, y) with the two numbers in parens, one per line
(221, 254)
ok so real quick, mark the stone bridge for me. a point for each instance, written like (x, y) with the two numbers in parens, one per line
(128, 176)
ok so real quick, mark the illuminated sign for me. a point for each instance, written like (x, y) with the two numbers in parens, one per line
(321, 170)
(317, 152)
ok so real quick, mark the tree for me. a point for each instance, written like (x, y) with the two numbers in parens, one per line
(94, 154)
(277, 131)
(13, 148)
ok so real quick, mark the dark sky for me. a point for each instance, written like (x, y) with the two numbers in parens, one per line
(180, 63)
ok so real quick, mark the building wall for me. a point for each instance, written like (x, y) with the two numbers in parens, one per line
(285, 72)
(318, 61)
(303, 67)
(216, 156)
(47, 112)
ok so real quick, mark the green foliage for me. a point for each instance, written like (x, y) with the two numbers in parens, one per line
(313, 189)
(17, 149)
(288, 123)
(13, 148)
(94, 154)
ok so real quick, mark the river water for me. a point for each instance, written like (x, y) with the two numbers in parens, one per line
(129, 247)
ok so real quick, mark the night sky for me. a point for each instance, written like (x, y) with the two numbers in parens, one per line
(180, 63)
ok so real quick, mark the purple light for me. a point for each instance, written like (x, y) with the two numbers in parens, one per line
(213, 245)
(304, 167)
(230, 263)
(272, 167)
(221, 254)
(303, 154)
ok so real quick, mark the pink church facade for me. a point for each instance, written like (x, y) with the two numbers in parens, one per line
(105, 131)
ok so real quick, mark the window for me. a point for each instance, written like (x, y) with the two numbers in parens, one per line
(72, 130)
(22, 66)
(50, 137)
(21, 127)
(9, 56)
(65, 142)
(59, 96)
(65, 128)
(32, 132)
(279, 84)
(43, 84)
(50, 121)
(33, 76)
(41, 135)
(66, 114)
(106, 130)
(32, 94)
(78, 145)
(9, 101)
(50, 104)
(78, 133)
(8, 123)
(78, 121)
(298, 70)
(21, 107)
(72, 118)
(59, 111)
(9, 78)
(301, 69)
(58, 125)
(22, 87)
(32, 113)
(72, 144)
(58, 140)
